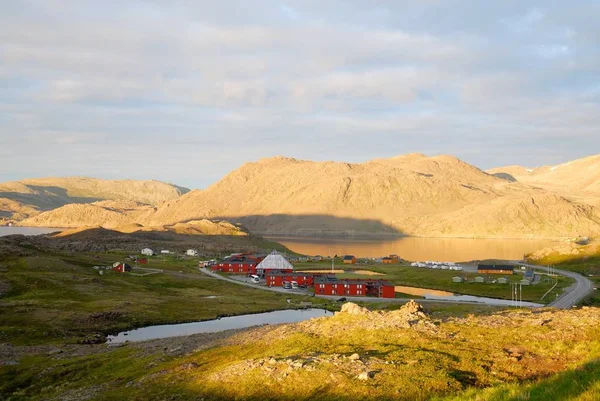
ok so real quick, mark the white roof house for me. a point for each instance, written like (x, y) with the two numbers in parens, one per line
(147, 251)
(191, 252)
(274, 261)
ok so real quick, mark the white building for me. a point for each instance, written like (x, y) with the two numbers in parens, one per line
(147, 252)
(165, 251)
(273, 261)
(191, 252)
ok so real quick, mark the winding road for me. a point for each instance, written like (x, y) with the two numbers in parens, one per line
(574, 293)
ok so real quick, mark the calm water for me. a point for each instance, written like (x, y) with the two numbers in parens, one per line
(213, 326)
(27, 230)
(417, 249)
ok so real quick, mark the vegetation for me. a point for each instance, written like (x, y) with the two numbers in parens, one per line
(58, 298)
(520, 355)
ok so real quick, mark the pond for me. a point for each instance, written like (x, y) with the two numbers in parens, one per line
(5, 230)
(213, 326)
(417, 249)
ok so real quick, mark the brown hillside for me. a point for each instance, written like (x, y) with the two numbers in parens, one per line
(579, 178)
(410, 194)
(22, 199)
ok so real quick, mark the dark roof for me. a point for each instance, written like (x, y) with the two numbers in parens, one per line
(495, 267)
(348, 257)
(290, 273)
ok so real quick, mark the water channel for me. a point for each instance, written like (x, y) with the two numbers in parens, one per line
(213, 326)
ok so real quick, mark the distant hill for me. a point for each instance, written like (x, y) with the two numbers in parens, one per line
(411, 194)
(26, 198)
(579, 178)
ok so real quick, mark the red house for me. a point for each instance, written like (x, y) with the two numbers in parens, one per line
(277, 277)
(122, 268)
(235, 267)
(329, 285)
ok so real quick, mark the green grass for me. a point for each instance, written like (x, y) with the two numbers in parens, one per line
(403, 274)
(465, 360)
(58, 299)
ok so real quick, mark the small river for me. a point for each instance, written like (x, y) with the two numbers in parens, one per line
(213, 326)
(5, 230)
(418, 249)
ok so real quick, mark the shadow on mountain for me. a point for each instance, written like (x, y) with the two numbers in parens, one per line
(46, 198)
(505, 176)
(314, 225)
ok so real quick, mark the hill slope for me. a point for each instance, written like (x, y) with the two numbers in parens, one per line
(579, 177)
(22, 199)
(411, 194)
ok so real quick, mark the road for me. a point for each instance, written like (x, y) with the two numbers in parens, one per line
(573, 294)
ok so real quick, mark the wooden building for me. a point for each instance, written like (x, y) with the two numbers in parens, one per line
(275, 278)
(349, 259)
(495, 269)
(330, 285)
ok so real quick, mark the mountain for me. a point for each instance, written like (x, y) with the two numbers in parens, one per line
(26, 198)
(411, 194)
(578, 178)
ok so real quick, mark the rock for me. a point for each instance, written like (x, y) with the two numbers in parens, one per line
(366, 375)
(272, 361)
(297, 364)
(55, 351)
(354, 357)
(353, 309)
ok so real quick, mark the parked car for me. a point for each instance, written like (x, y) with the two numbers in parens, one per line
(254, 279)
(287, 285)
(294, 285)
(342, 299)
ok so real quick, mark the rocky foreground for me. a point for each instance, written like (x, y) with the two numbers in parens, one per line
(357, 354)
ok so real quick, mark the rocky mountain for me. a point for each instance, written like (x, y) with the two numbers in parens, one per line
(578, 178)
(22, 199)
(411, 194)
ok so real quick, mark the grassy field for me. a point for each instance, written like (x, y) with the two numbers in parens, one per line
(510, 356)
(62, 299)
(403, 274)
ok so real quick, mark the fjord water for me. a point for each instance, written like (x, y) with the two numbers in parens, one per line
(418, 249)
(27, 230)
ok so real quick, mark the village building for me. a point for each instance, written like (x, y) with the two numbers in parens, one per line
(147, 252)
(330, 285)
(457, 279)
(273, 262)
(121, 267)
(388, 260)
(191, 252)
(237, 266)
(275, 278)
(495, 269)
(349, 259)
(165, 251)
(502, 280)
(479, 280)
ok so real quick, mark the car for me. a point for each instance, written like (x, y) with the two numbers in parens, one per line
(342, 299)
(254, 279)
(287, 285)
(294, 285)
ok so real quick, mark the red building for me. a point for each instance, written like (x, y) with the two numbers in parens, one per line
(235, 267)
(122, 268)
(277, 277)
(329, 285)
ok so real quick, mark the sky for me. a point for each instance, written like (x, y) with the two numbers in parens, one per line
(186, 91)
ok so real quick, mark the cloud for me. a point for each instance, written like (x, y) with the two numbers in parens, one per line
(87, 85)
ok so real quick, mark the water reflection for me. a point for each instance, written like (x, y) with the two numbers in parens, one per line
(418, 249)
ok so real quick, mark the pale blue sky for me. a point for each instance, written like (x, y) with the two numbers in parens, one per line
(186, 91)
